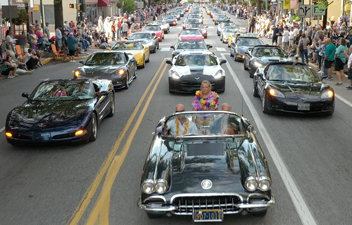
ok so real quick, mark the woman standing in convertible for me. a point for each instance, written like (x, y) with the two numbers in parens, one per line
(205, 100)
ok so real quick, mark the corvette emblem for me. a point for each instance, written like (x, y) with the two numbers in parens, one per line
(197, 78)
(206, 184)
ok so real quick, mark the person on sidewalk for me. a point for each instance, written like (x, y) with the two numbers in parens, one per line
(31, 60)
(349, 66)
(329, 57)
(124, 29)
(303, 48)
(8, 68)
(340, 60)
(58, 37)
(64, 46)
(72, 47)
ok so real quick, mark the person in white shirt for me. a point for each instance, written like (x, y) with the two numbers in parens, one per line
(181, 125)
(349, 66)
(58, 37)
(285, 38)
(292, 37)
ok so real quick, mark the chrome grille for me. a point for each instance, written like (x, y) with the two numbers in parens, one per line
(186, 205)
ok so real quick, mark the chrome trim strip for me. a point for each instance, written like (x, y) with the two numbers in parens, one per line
(157, 160)
(155, 197)
(191, 195)
(255, 163)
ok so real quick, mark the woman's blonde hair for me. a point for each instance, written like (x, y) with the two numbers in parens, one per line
(206, 82)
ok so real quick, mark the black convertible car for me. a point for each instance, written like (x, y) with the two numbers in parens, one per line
(61, 111)
(285, 87)
(262, 55)
(205, 172)
(117, 66)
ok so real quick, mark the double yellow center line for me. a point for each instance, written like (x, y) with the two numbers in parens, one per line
(100, 211)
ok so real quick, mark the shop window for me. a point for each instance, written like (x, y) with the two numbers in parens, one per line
(49, 14)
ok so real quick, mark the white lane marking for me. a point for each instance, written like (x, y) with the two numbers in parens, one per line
(297, 199)
(343, 100)
(165, 49)
(2, 129)
(221, 49)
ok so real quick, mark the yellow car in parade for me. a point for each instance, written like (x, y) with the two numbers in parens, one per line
(234, 36)
(140, 52)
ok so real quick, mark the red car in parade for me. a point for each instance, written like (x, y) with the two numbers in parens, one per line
(190, 35)
(155, 29)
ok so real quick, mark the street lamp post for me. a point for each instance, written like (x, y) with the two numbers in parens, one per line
(26, 6)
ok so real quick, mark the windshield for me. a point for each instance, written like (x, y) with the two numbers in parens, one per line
(292, 73)
(218, 124)
(196, 60)
(191, 45)
(63, 91)
(169, 18)
(270, 52)
(193, 21)
(190, 32)
(230, 30)
(105, 58)
(151, 28)
(196, 25)
(140, 36)
(249, 42)
(127, 46)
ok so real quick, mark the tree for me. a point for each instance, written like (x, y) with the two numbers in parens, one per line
(58, 14)
(129, 6)
(259, 7)
(324, 4)
(190, 1)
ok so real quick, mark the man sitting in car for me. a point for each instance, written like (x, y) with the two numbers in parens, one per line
(226, 124)
(181, 125)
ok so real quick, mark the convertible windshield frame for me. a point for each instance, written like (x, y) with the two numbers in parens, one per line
(292, 73)
(110, 58)
(196, 59)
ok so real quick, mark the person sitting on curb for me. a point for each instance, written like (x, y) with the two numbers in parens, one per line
(31, 59)
(8, 68)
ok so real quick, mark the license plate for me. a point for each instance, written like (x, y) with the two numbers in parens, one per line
(304, 107)
(207, 215)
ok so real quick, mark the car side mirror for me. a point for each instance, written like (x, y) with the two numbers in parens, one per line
(260, 75)
(133, 60)
(25, 95)
(126, 38)
(222, 61)
(173, 47)
(155, 37)
(169, 62)
(247, 53)
(104, 93)
(82, 62)
(321, 79)
(209, 46)
(153, 34)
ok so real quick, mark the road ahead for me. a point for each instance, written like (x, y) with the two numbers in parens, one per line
(98, 183)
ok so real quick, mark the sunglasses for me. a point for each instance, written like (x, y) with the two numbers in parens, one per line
(179, 111)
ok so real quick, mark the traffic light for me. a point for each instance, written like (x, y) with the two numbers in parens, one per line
(79, 7)
(72, 6)
(314, 3)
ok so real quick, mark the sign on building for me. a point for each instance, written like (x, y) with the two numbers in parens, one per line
(304, 11)
(317, 11)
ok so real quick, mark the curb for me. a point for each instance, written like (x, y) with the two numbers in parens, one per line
(47, 60)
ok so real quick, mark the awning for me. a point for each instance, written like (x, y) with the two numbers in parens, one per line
(103, 3)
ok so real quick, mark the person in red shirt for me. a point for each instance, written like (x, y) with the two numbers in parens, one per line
(40, 38)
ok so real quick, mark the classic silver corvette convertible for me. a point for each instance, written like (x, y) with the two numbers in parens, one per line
(205, 171)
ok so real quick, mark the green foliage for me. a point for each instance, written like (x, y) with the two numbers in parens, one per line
(190, 1)
(129, 6)
(295, 18)
(253, 2)
(323, 4)
(21, 19)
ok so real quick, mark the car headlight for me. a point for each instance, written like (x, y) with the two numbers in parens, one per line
(275, 93)
(175, 75)
(77, 73)
(121, 72)
(161, 186)
(218, 74)
(148, 186)
(264, 183)
(251, 184)
(257, 64)
(327, 94)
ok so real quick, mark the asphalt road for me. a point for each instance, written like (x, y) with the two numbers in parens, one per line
(98, 183)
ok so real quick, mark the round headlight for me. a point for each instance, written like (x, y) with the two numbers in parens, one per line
(327, 94)
(161, 186)
(148, 186)
(121, 72)
(264, 183)
(251, 184)
(77, 73)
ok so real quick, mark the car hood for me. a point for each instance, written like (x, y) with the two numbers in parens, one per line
(214, 168)
(300, 89)
(242, 49)
(49, 114)
(266, 60)
(144, 41)
(195, 70)
(100, 71)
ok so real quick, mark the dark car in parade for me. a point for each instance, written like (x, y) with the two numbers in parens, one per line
(221, 18)
(171, 19)
(182, 46)
(151, 40)
(189, 69)
(207, 172)
(61, 111)
(202, 28)
(262, 55)
(241, 46)
(117, 66)
(294, 88)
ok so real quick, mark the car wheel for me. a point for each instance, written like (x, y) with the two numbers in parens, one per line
(260, 214)
(265, 104)
(94, 128)
(143, 66)
(220, 38)
(244, 65)
(153, 216)
(251, 74)
(148, 58)
(255, 89)
(112, 108)
(231, 54)
(153, 50)
(127, 82)
(163, 37)
(135, 75)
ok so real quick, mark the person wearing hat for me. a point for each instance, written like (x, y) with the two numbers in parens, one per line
(58, 37)
(47, 30)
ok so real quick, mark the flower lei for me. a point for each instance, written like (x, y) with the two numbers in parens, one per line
(207, 104)
(178, 127)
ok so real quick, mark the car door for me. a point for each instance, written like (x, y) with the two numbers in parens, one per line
(102, 101)
(248, 57)
(130, 64)
(261, 82)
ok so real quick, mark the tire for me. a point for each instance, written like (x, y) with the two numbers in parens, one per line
(260, 214)
(148, 59)
(153, 216)
(244, 65)
(135, 75)
(251, 74)
(163, 37)
(158, 46)
(231, 54)
(255, 89)
(143, 66)
(94, 128)
(153, 50)
(265, 104)
(112, 108)
(127, 84)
